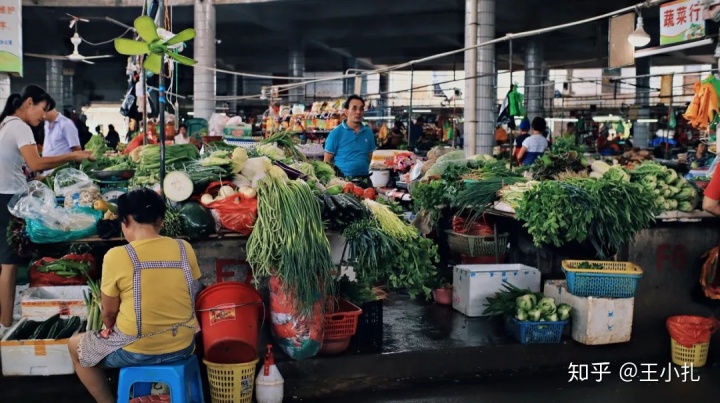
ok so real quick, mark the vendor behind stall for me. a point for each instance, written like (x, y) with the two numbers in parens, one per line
(535, 145)
(17, 147)
(350, 145)
(700, 157)
(148, 298)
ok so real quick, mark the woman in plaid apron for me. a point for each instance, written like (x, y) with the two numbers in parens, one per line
(93, 351)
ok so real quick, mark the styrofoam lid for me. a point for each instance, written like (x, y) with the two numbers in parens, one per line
(488, 268)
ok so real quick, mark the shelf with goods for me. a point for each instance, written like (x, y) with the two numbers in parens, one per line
(315, 122)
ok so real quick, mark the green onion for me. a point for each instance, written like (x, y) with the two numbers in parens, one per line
(289, 241)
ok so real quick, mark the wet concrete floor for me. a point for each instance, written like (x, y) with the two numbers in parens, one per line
(552, 387)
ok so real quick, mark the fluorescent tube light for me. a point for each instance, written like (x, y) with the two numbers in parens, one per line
(667, 49)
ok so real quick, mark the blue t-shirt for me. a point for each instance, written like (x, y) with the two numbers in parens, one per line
(351, 150)
(536, 146)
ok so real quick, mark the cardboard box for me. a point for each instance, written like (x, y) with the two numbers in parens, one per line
(594, 321)
(472, 284)
(35, 357)
(40, 303)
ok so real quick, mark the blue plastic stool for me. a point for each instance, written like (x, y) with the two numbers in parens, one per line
(178, 375)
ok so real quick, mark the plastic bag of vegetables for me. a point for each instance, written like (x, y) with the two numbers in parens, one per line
(236, 211)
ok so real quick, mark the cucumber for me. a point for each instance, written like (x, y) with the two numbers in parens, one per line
(42, 331)
(70, 327)
(330, 203)
(341, 201)
(24, 331)
(53, 330)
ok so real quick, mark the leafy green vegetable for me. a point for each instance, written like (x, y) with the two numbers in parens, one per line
(550, 165)
(605, 212)
(590, 266)
(323, 171)
(358, 292)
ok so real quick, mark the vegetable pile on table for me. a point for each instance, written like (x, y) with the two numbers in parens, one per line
(605, 212)
(672, 191)
(383, 248)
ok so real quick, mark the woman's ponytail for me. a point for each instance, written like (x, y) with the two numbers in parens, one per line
(11, 106)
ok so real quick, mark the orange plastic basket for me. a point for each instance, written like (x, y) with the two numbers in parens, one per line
(341, 321)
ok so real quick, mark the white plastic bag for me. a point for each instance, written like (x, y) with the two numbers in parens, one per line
(70, 181)
(217, 123)
(38, 203)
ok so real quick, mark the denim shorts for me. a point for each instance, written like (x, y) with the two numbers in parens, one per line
(122, 358)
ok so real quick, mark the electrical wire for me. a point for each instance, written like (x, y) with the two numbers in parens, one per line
(104, 42)
(305, 81)
(507, 37)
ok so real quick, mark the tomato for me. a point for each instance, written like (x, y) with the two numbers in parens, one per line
(359, 192)
(370, 193)
(349, 188)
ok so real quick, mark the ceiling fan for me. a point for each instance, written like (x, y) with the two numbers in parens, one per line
(75, 56)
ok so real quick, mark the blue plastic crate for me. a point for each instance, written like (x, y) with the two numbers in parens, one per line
(535, 332)
(615, 280)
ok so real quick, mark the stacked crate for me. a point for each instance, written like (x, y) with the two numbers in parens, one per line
(602, 298)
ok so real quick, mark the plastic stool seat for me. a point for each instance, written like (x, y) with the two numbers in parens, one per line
(183, 378)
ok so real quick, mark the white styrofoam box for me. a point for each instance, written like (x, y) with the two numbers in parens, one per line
(472, 284)
(40, 303)
(34, 357)
(595, 320)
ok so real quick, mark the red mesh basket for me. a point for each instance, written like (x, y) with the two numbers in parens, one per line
(341, 320)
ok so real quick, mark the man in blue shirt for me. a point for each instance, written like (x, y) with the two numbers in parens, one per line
(350, 145)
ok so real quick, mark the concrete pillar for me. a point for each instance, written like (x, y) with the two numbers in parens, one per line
(54, 84)
(204, 53)
(470, 58)
(486, 82)
(641, 130)
(534, 73)
(296, 68)
(233, 92)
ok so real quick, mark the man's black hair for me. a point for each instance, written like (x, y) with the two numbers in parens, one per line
(351, 98)
(539, 124)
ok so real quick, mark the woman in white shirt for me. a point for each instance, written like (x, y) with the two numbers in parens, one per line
(18, 147)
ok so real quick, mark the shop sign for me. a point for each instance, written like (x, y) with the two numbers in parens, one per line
(681, 21)
(11, 37)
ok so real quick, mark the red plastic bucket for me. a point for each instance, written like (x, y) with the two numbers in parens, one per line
(229, 316)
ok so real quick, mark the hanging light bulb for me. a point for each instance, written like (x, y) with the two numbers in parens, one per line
(639, 37)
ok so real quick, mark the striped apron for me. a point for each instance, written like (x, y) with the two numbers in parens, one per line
(93, 349)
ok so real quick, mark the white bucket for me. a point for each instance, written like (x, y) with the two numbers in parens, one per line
(379, 178)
